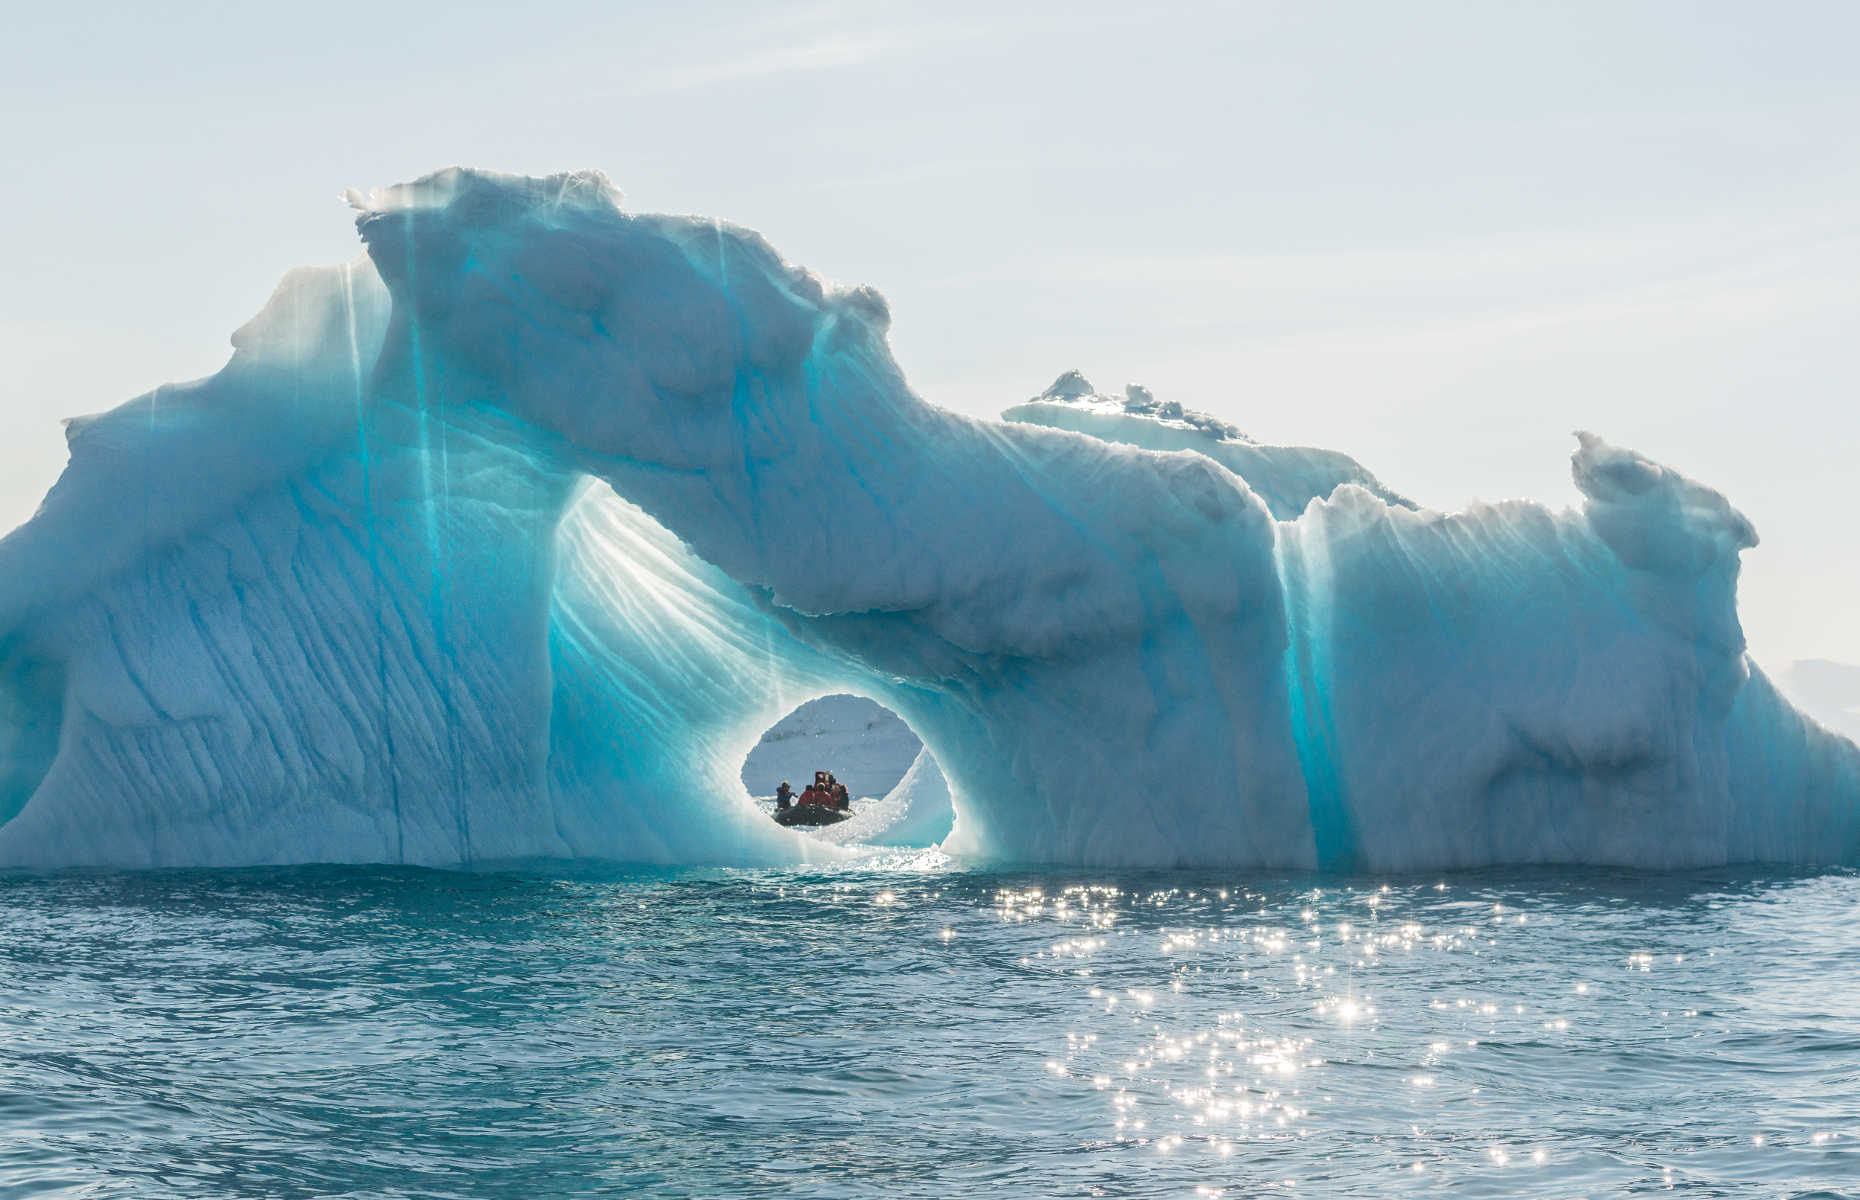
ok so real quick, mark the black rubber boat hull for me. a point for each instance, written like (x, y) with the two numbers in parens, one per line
(811, 814)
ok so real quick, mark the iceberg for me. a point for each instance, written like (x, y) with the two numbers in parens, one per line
(510, 538)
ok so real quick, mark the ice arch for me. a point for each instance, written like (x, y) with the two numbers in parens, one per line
(356, 598)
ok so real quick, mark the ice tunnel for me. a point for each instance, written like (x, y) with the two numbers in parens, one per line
(510, 539)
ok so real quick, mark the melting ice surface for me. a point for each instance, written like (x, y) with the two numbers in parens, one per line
(508, 539)
(914, 1031)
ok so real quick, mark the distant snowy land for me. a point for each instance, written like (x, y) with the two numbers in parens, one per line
(1827, 691)
(866, 746)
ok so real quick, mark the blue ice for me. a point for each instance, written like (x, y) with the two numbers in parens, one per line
(509, 538)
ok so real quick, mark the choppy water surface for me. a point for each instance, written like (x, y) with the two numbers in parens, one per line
(920, 1031)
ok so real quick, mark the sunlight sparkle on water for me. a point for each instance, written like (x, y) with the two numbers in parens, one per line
(1170, 1032)
(1182, 1070)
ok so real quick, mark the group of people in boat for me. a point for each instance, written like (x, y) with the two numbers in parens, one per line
(825, 791)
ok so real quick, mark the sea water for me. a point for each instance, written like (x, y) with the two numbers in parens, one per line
(904, 1027)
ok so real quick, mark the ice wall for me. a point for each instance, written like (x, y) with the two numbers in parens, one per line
(1507, 684)
(922, 796)
(358, 598)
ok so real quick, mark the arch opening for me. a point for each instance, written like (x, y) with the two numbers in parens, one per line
(897, 792)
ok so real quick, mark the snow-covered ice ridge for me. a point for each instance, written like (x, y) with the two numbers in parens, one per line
(510, 538)
(1287, 478)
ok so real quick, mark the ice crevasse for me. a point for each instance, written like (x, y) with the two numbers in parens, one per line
(508, 539)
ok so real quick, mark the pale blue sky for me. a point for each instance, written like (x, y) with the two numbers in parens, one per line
(1437, 235)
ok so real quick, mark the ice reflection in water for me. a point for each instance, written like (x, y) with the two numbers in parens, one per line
(904, 1029)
